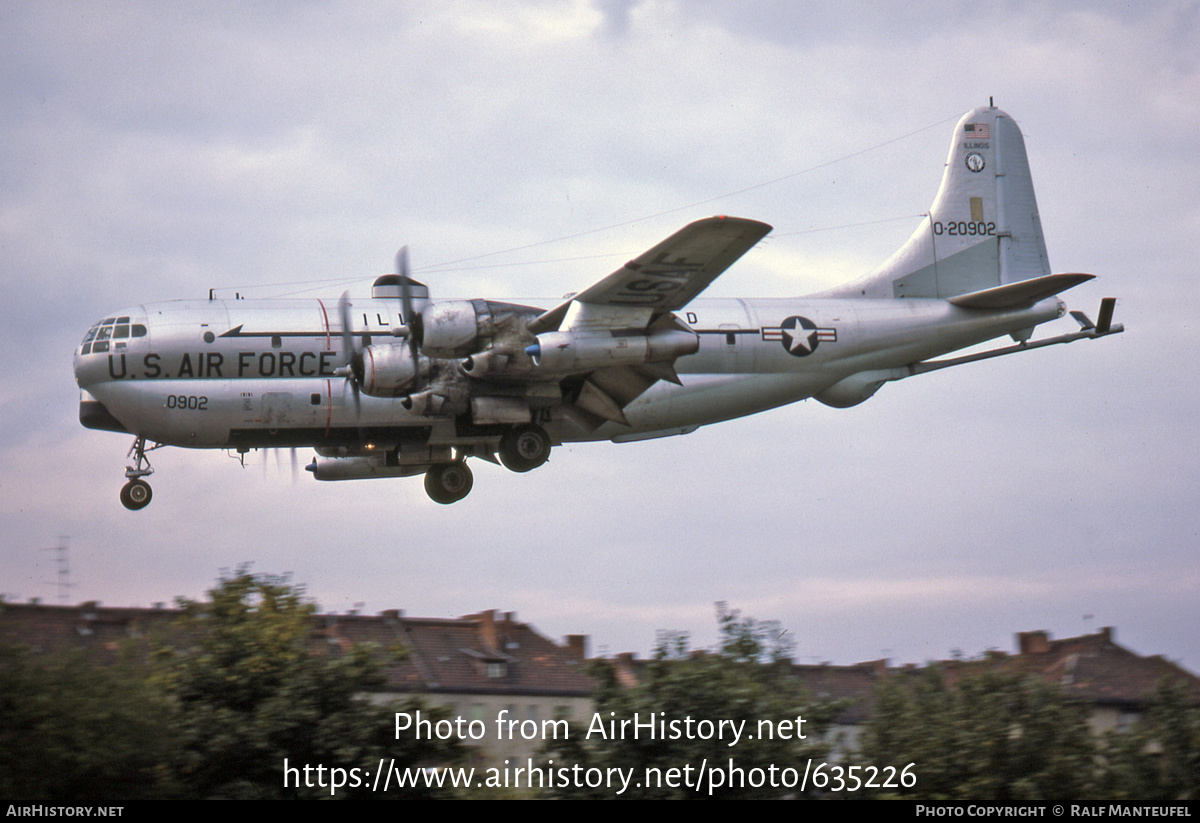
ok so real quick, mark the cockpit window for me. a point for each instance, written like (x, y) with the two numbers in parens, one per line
(110, 328)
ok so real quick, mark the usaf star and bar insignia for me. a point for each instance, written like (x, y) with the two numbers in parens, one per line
(799, 335)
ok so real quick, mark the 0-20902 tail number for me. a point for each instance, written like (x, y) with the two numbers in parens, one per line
(965, 228)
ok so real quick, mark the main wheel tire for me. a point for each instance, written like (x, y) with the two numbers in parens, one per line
(136, 494)
(524, 447)
(448, 482)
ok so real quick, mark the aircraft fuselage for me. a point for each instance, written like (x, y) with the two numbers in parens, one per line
(400, 384)
(253, 374)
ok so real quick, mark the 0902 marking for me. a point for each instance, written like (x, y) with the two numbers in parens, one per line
(187, 401)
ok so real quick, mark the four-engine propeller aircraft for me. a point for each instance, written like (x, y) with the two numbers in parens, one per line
(401, 385)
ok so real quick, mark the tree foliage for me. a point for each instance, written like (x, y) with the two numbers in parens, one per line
(253, 693)
(233, 690)
(988, 736)
(679, 683)
(1158, 758)
(71, 732)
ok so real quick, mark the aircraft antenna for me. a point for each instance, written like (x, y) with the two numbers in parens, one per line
(63, 561)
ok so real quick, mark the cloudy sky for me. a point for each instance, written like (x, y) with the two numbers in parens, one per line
(154, 151)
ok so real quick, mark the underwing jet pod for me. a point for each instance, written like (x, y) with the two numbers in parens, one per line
(400, 384)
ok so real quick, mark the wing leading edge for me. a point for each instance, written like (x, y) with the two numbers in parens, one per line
(632, 310)
(664, 279)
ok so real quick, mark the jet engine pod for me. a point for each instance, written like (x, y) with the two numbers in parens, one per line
(573, 351)
(386, 369)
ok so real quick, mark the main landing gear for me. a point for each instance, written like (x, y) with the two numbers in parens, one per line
(136, 494)
(448, 482)
(522, 448)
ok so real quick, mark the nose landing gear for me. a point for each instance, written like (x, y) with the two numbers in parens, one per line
(136, 494)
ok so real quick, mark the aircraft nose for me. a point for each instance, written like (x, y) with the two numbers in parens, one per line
(111, 335)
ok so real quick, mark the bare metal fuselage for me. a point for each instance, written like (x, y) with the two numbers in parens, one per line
(253, 374)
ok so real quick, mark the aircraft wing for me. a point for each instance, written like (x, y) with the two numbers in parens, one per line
(663, 279)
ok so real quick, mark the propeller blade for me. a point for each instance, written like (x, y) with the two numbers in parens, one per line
(349, 350)
(405, 287)
(406, 304)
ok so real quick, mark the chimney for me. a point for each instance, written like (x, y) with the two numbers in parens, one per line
(487, 629)
(1106, 634)
(1033, 642)
(577, 646)
(626, 671)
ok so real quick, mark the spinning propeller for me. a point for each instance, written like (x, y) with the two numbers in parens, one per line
(412, 321)
(354, 367)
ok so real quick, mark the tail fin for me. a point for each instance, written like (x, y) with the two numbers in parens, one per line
(983, 229)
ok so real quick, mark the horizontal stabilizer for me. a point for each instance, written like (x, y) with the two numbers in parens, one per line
(1021, 294)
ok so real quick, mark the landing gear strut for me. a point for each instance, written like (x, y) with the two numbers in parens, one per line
(448, 482)
(136, 493)
(524, 447)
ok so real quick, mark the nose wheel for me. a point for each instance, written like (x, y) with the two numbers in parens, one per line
(136, 494)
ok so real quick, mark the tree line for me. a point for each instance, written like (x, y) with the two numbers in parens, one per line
(214, 706)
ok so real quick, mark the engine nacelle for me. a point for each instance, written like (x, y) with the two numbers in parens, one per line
(492, 360)
(565, 351)
(452, 328)
(386, 369)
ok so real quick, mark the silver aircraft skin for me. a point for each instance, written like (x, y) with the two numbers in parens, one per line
(400, 384)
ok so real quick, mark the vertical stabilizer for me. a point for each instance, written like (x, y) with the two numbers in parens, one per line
(983, 228)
